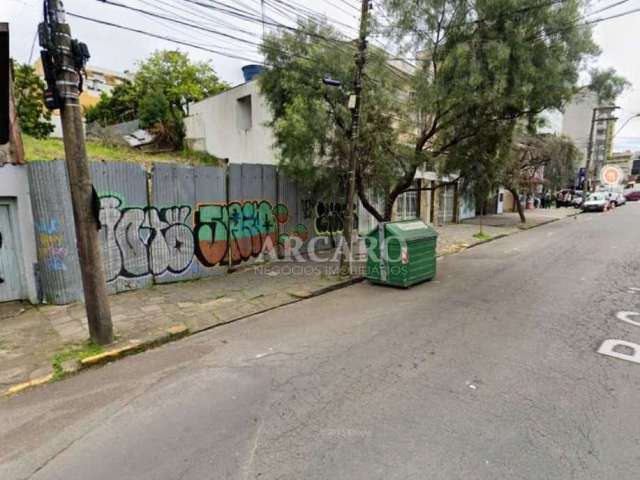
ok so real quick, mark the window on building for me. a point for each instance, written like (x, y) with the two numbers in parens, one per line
(408, 206)
(244, 113)
(635, 168)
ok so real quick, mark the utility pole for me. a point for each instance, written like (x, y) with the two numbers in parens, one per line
(66, 59)
(354, 105)
(596, 118)
(585, 188)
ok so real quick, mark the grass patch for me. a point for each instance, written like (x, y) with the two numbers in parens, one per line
(53, 149)
(77, 352)
(482, 236)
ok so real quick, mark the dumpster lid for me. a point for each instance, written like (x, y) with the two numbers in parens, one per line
(408, 230)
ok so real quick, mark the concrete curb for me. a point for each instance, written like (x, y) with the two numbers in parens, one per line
(134, 346)
(504, 235)
(295, 298)
(173, 333)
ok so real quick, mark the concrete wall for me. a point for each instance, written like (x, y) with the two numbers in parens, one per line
(14, 186)
(217, 125)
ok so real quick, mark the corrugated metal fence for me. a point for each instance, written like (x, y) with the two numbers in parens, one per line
(175, 223)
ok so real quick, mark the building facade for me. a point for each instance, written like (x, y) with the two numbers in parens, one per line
(233, 125)
(96, 82)
(579, 115)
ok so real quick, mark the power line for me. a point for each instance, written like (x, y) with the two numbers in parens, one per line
(162, 37)
(180, 22)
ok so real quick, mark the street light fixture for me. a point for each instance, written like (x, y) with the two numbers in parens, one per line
(331, 82)
(636, 115)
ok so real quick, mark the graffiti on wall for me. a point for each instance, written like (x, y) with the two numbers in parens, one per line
(242, 229)
(330, 218)
(51, 248)
(139, 241)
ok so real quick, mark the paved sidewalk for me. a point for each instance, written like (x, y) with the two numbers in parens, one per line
(457, 237)
(30, 336)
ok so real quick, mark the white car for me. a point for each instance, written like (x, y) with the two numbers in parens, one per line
(596, 202)
(620, 200)
(616, 198)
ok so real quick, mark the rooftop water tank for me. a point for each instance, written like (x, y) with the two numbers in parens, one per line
(250, 72)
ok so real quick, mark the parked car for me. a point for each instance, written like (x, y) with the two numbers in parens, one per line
(564, 198)
(633, 196)
(616, 198)
(620, 199)
(578, 198)
(596, 202)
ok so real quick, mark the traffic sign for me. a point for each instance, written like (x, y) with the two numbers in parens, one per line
(611, 175)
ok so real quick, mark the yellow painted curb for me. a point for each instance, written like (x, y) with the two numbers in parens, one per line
(33, 383)
(108, 355)
(136, 346)
(177, 330)
(301, 293)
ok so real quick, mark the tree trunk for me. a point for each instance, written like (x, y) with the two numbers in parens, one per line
(514, 192)
(368, 206)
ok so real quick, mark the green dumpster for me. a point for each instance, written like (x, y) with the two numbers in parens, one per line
(401, 254)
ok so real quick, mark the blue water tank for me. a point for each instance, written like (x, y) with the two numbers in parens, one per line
(251, 71)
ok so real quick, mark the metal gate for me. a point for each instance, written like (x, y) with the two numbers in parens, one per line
(10, 278)
(445, 204)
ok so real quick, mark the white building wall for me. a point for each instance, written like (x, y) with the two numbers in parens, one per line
(216, 126)
(553, 122)
(14, 186)
(576, 123)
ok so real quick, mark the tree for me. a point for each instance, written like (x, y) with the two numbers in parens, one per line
(153, 109)
(484, 66)
(312, 122)
(563, 158)
(607, 85)
(179, 79)
(35, 119)
(534, 157)
(170, 76)
(119, 106)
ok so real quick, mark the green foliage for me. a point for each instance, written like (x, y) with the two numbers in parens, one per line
(153, 108)
(607, 85)
(120, 106)
(482, 236)
(180, 80)
(53, 149)
(34, 118)
(562, 158)
(73, 353)
(165, 85)
(312, 122)
(484, 67)
(555, 156)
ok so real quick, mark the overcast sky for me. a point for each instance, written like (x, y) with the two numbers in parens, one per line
(119, 50)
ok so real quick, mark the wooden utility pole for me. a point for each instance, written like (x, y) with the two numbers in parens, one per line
(82, 194)
(354, 105)
(15, 135)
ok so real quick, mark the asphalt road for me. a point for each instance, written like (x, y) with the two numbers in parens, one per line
(489, 372)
